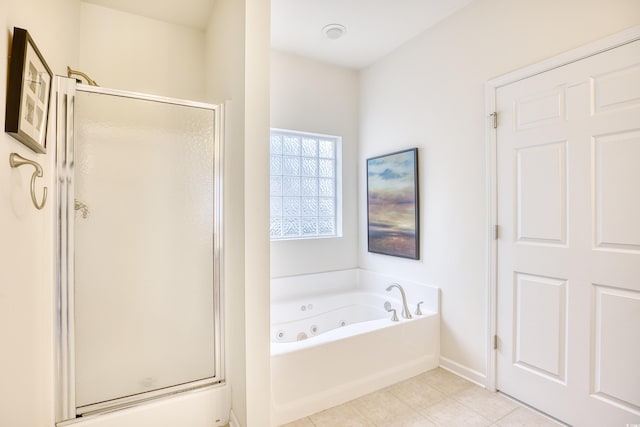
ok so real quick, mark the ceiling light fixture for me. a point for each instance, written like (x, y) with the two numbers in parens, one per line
(334, 31)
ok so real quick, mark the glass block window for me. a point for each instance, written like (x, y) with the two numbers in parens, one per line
(305, 185)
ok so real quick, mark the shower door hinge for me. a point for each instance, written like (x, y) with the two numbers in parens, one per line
(496, 229)
(494, 118)
(495, 342)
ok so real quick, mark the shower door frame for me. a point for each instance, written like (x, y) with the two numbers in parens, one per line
(66, 410)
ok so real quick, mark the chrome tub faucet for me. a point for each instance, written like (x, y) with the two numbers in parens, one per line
(405, 309)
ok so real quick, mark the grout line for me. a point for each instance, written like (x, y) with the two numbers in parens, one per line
(520, 403)
(357, 411)
(454, 397)
(531, 408)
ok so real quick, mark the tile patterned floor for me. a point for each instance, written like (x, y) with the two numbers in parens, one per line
(435, 398)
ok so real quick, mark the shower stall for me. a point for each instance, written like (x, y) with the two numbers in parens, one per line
(139, 249)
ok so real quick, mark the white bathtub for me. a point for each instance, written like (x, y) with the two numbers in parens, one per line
(323, 318)
(328, 348)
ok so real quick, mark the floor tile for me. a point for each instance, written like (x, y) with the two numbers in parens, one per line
(444, 381)
(413, 419)
(416, 393)
(524, 417)
(381, 406)
(343, 416)
(303, 422)
(451, 413)
(436, 398)
(492, 406)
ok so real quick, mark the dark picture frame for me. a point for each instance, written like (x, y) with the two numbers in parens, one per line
(28, 93)
(393, 208)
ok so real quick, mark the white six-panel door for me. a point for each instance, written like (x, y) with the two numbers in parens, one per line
(568, 252)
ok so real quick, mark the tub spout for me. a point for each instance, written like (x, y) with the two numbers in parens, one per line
(405, 309)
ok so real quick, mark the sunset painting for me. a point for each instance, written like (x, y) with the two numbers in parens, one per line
(392, 204)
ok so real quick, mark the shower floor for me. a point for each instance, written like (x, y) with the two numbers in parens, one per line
(434, 398)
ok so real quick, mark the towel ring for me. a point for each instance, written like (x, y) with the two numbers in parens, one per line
(16, 160)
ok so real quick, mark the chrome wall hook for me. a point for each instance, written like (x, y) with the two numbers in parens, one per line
(16, 160)
(81, 206)
(89, 80)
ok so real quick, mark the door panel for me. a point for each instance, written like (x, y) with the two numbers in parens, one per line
(541, 193)
(568, 167)
(540, 323)
(616, 344)
(617, 176)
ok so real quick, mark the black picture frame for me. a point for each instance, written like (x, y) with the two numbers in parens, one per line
(28, 93)
(393, 208)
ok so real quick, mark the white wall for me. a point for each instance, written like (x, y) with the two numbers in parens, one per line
(134, 53)
(26, 275)
(237, 64)
(256, 174)
(312, 96)
(429, 94)
(225, 81)
(125, 51)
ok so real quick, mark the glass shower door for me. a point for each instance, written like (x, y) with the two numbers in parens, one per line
(145, 243)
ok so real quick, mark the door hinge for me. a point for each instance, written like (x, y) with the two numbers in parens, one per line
(494, 118)
(495, 342)
(496, 233)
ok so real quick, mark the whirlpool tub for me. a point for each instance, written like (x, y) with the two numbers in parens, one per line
(331, 347)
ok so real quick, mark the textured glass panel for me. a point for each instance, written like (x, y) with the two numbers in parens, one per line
(310, 147)
(291, 166)
(327, 187)
(309, 206)
(275, 228)
(291, 186)
(149, 298)
(276, 165)
(327, 207)
(310, 166)
(276, 206)
(309, 226)
(326, 226)
(276, 144)
(326, 149)
(291, 206)
(326, 168)
(309, 186)
(276, 186)
(291, 227)
(291, 145)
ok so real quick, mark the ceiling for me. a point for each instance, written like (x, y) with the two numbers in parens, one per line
(190, 13)
(374, 27)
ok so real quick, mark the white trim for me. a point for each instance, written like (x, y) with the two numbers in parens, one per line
(463, 371)
(233, 420)
(492, 243)
(611, 42)
(144, 96)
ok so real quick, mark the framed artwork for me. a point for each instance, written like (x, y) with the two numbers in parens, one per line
(28, 93)
(392, 204)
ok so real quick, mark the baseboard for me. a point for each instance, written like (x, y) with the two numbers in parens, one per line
(233, 420)
(463, 371)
